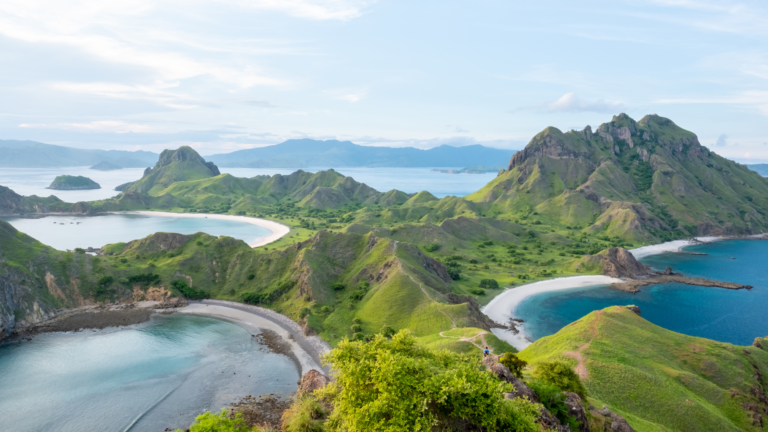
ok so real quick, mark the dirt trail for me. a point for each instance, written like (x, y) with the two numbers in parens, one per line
(581, 366)
(472, 339)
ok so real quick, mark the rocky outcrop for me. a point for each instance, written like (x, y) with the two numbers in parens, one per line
(159, 242)
(577, 411)
(609, 421)
(311, 381)
(124, 186)
(546, 144)
(620, 263)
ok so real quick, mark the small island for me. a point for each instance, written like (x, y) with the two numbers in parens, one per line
(106, 166)
(67, 182)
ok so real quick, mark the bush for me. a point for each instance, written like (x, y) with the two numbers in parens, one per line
(123, 260)
(477, 291)
(454, 273)
(337, 286)
(304, 312)
(79, 250)
(356, 328)
(432, 247)
(560, 374)
(209, 422)
(422, 389)
(489, 284)
(472, 261)
(305, 415)
(188, 291)
(364, 284)
(387, 331)
(251, 276)
(357, 295)
(106, 281)
(515, 364)
(553, 398)
(146, 278)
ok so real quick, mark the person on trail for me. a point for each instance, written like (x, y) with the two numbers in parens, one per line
(486, 352)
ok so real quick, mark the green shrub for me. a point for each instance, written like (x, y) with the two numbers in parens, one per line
(454, 273)
(472, 261)
(397, 385)
(304, 312)
(145, 278)
(553, 398)
(515, 364)
(188, 291)
(209, 422)
(123, 260)
(337, 286)
(560, 374)
(79, 250)
(477, 291)
(387, 331)
(356, 328)
(364, 284)
(251, 276)
(305, 415)
(106, 281)
(432, 247)
(489, 284)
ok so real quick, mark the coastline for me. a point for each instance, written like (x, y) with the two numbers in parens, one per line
(502, 308)
(278, 230)
(305, 350)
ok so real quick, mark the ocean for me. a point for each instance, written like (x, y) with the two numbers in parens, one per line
(734, 316)
(34, 181)
(147, 377)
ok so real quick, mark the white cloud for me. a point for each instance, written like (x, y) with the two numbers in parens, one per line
(757, 99)
(722, 141)
(570, 102)
(95, 126)
(311, 9)
(349, 95)
(156, 93)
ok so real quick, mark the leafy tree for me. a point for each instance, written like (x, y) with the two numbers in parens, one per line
(188, 291)
(106, 281)
(432, 247)
(560, 374)
(489, 284)
(396, 385)
(514, 363)
(387, 331)
(337, 286)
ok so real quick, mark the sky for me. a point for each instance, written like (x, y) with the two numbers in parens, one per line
(224, 75)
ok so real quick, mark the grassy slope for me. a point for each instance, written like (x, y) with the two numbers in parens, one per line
(657, 379)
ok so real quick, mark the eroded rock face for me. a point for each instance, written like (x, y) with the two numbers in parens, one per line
(311, 381)
(161, 242)
(504, 374)
(620, 263)
(610, 421)
(576, 409)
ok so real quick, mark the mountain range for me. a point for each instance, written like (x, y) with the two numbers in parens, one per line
(31, 154)
(301, 153)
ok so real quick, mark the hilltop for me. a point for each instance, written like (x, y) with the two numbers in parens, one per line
(31, 154)
(658, 379)
(299, 153)
(645, 181)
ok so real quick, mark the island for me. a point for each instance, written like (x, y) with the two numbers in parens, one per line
(106, 166)
(470, 170)
(67, 182)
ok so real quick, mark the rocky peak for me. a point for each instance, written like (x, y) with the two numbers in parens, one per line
(183, 154)
(551, 142)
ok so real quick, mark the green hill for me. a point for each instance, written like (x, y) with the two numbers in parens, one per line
(182, 164)
(68, 182)
(660, 380)
(645, 181)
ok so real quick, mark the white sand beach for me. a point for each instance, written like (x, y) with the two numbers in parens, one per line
(278, 229)
(502, 308)
(670, 246)
(307, 350)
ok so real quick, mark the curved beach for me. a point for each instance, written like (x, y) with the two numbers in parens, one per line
(278, 230)
(305, 350)
(502, 308)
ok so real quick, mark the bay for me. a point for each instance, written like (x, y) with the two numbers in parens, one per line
(148, 377)
(734, 316)
(97, 231)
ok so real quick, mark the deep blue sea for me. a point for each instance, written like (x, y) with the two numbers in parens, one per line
(148, 377)
(714, 313)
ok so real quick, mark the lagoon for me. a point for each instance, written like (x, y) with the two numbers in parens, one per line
(148, 377)
(724, 315)
(97, 231)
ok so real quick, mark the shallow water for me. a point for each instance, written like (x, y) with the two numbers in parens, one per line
(735, 316)
(149, 377)
(34, 181)
(97, 231)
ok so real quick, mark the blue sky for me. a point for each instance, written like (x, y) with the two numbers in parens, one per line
(230, 74)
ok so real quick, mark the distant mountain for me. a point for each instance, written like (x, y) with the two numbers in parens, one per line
(761, 169)
(31, 154)
(300, 153)
(105, 166)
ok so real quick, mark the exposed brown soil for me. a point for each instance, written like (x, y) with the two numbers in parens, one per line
(632, 285)
(263, 411)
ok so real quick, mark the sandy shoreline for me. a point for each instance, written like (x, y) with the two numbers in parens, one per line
(671, 246)
(306, 350)
(278, 230)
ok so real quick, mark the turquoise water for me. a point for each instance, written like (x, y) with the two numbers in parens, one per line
(714, 313)
(144, 378)
(97, 231)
